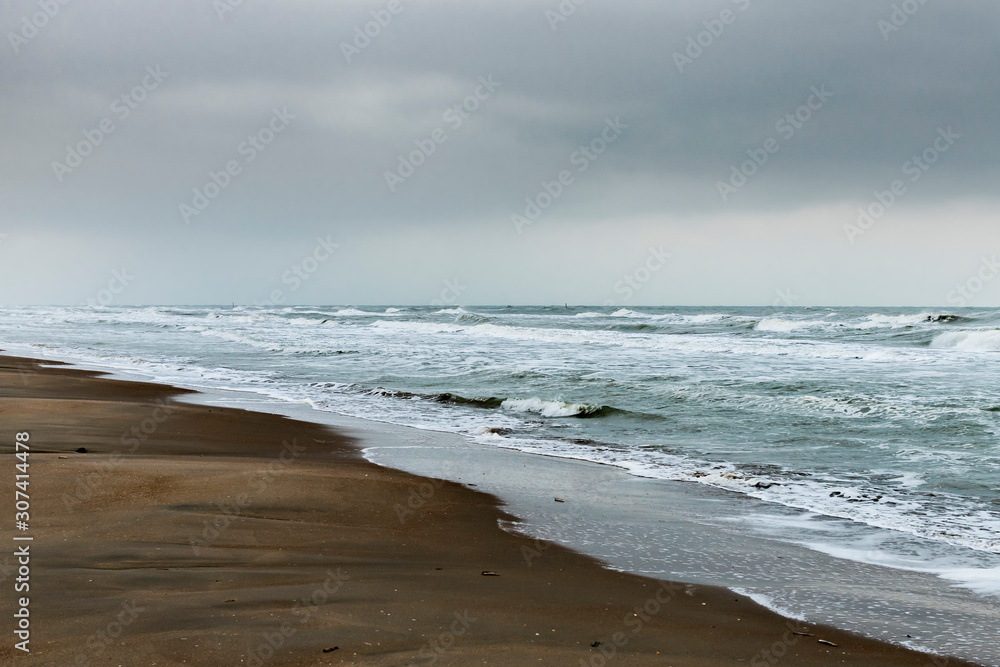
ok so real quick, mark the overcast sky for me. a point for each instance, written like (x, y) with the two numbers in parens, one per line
(632, 126)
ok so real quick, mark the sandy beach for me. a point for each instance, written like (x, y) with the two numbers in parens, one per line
(173, 534)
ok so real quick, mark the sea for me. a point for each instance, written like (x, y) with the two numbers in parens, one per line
(858, 441)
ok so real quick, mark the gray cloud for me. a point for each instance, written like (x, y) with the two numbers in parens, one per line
(326, 171)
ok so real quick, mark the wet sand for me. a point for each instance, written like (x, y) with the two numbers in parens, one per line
(192, 535)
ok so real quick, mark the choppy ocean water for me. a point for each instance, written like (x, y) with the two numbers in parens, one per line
(882, 421)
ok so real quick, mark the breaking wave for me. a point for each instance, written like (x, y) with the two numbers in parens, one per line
(984, 340)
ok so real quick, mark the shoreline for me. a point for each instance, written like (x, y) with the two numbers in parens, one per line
(318, 522)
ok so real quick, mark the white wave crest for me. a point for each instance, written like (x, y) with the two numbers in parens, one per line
(666, 343)
(782, 325)
(352, 312)
(980, 580)
(707, 318)
(546, 408)
(878, 320)
(984, 340)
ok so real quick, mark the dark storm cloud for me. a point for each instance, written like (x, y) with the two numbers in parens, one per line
(891, 92)
(195, 91)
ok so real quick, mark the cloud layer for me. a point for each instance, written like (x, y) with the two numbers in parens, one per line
(805, 111)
